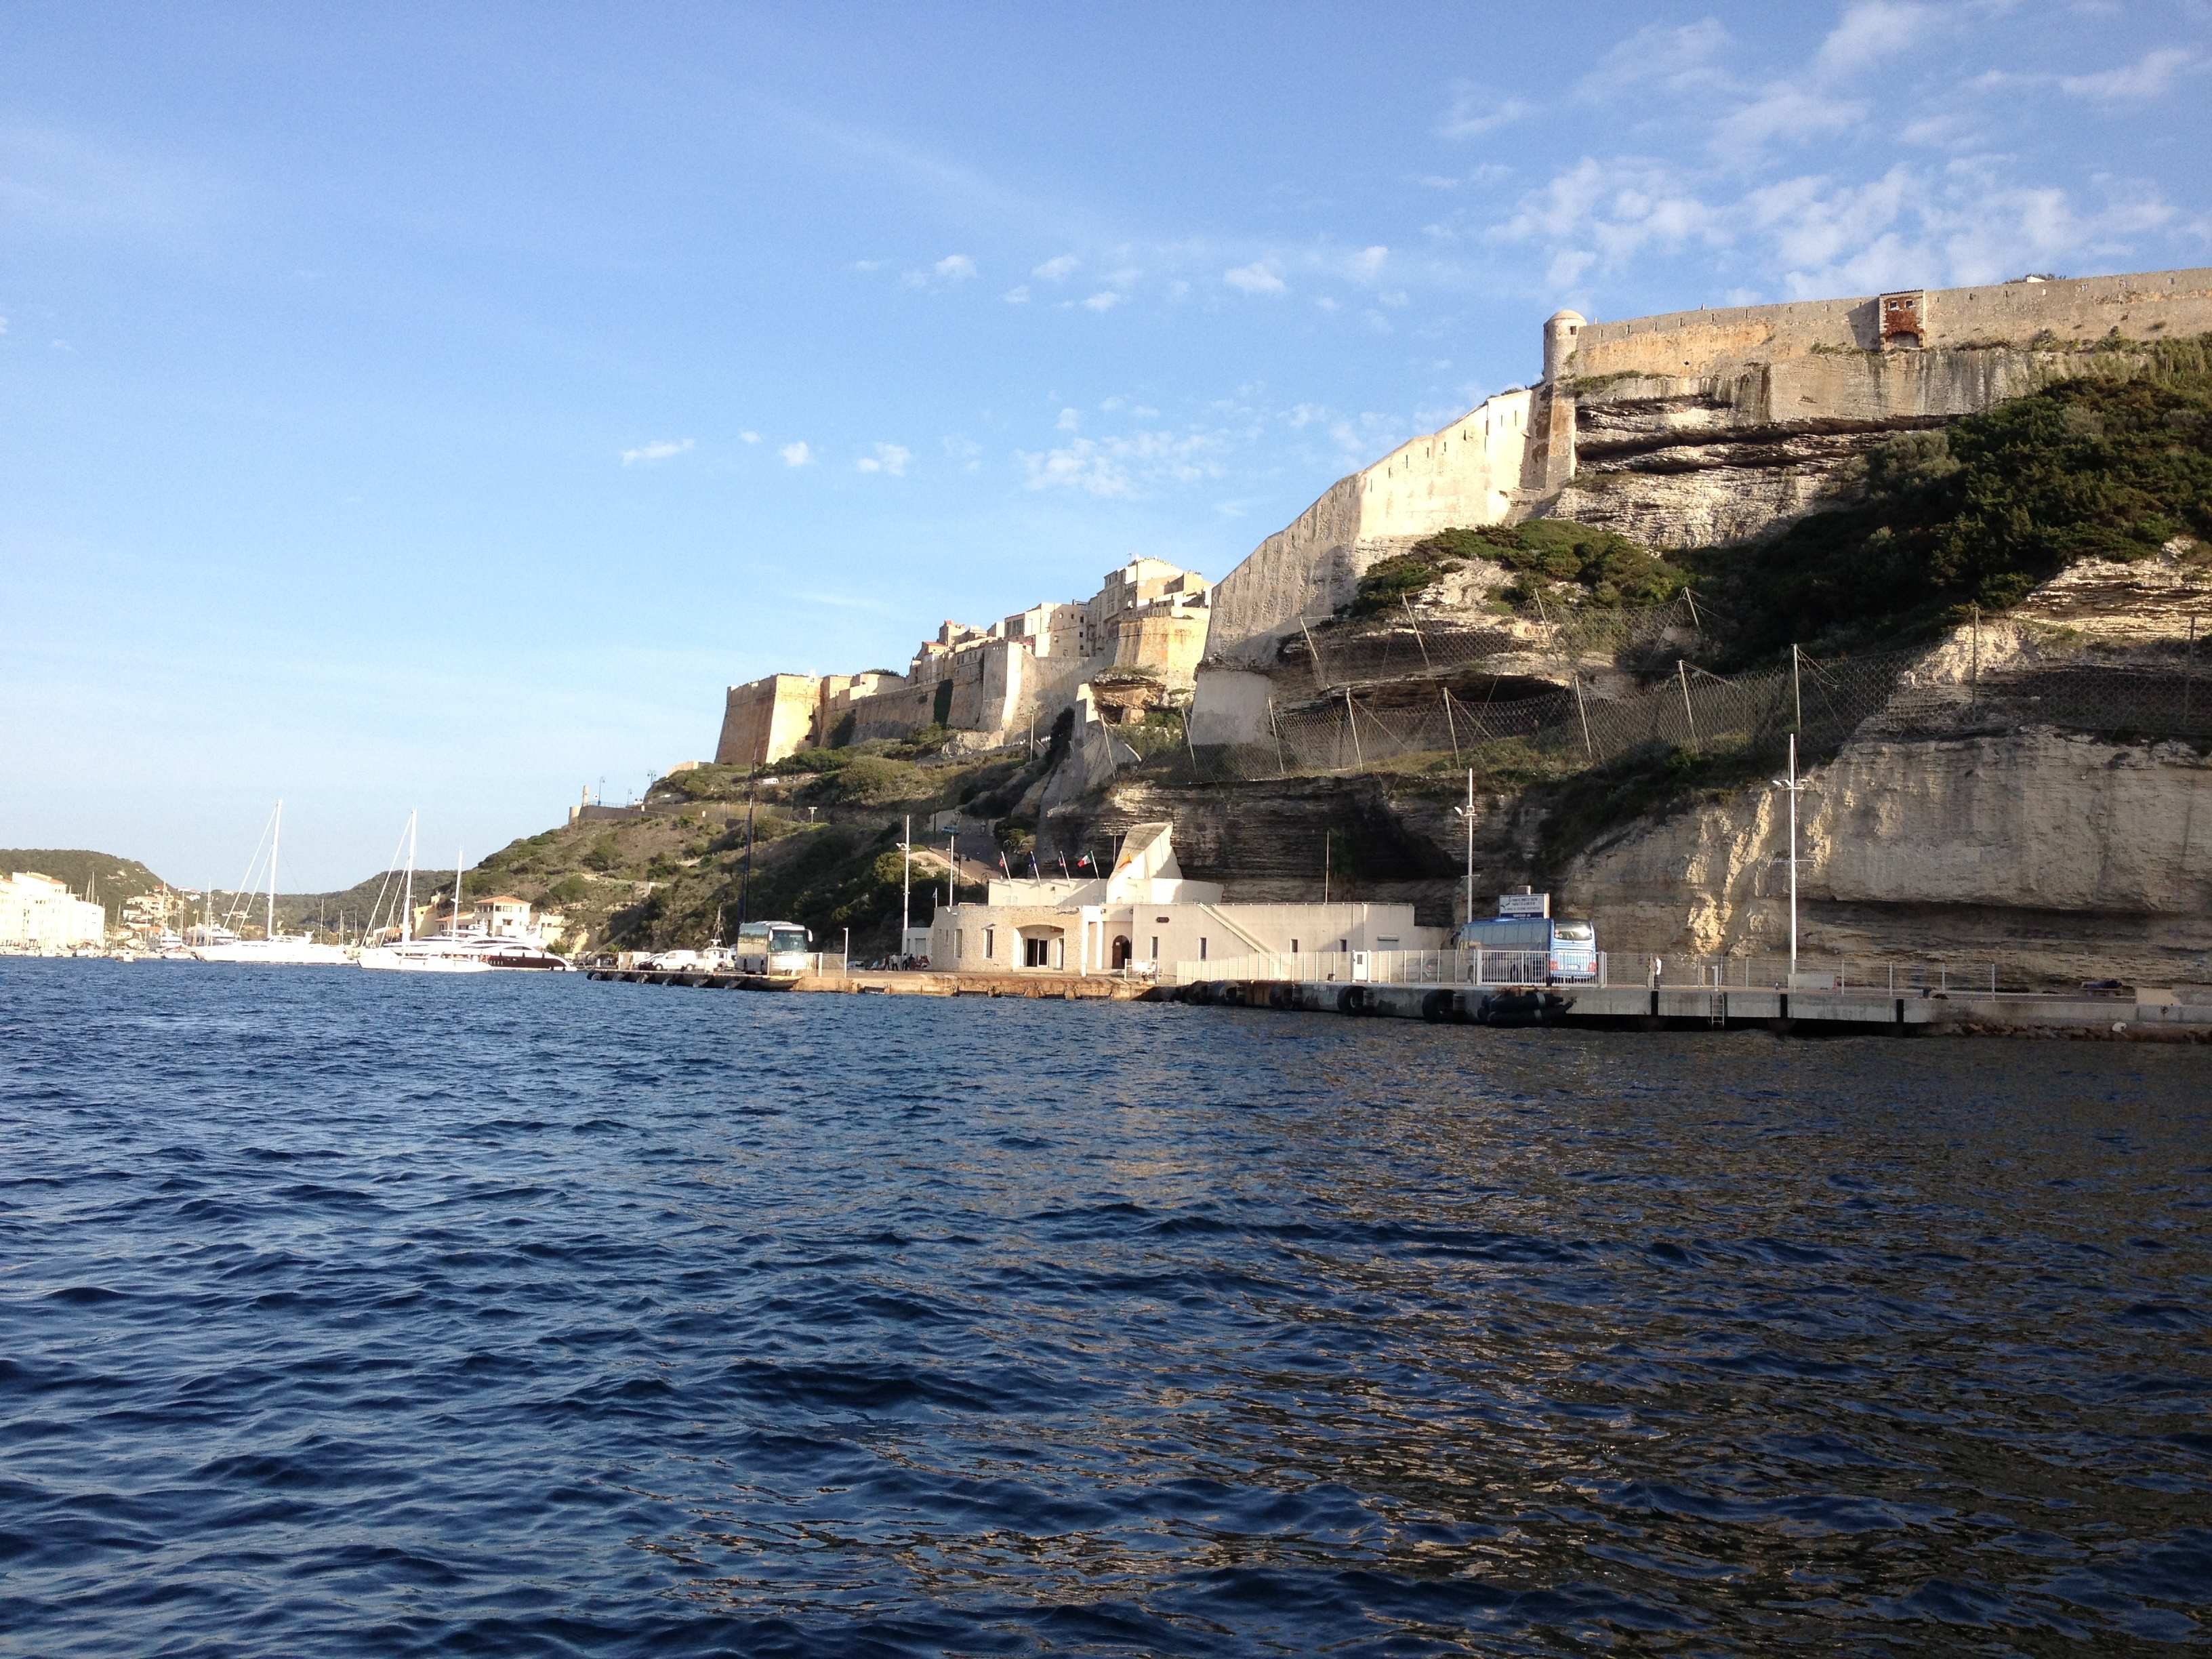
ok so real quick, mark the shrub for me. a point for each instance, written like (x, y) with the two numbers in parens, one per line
(567, 891)
(1980, 514)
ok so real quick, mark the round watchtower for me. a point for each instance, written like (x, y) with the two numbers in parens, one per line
(1560, 330)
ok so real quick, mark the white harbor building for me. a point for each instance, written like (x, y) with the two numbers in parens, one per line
(1146, 916)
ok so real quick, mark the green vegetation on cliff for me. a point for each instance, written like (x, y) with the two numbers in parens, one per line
(822, 829)
(1978, 514)
(1599, 567)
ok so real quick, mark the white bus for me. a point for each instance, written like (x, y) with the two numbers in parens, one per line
(773, 947)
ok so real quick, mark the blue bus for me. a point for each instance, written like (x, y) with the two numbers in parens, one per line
(1532, 948)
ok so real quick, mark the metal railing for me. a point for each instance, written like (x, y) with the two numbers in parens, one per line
(1958, 973)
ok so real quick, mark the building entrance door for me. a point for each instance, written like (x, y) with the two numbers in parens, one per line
(1120, 950)
(1036, 953)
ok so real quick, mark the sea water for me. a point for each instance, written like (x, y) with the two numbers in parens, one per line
(345, 1313)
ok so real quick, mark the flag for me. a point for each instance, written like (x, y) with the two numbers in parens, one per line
(1002, 865)
(1083, 861)
(1034, 875)
(1063, 864)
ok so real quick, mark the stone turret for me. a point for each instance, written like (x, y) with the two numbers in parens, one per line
(1561, 330)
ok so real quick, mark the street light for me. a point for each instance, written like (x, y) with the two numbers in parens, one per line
(1793, 785)
(1468, 813)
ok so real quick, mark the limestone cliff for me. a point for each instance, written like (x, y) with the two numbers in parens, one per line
(2072, 856)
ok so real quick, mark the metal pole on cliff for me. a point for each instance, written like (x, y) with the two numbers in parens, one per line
(951, 865)
(745, 880)
(1590, 750)
(1468, 813)
(1793, 859)
(2189, 675)
(1796, 691)
(1682, 673)
(1976, 615)
(1791, 784)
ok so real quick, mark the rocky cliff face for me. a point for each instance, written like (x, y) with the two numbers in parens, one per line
(1717, 458)
(2073, 856)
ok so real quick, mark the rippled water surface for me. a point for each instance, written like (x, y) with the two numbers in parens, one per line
(345, 1316)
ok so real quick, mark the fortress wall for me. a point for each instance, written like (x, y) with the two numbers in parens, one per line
(2142, 307)
(894, 714)
(1297, 572)
(765, 719)
(1169, 645)
(1463, 475)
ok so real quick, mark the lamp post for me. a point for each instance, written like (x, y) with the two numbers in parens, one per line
(951, 866)
(1468, 813)
(1792, 784)
(906, 883)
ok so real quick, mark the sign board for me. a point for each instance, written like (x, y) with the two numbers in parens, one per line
(1524, 904)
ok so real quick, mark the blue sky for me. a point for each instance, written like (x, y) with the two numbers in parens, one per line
(437, 405)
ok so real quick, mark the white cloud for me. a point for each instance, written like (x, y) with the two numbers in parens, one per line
(966, 451)
(893, 459)
(953, 269)
(1123, 277)
(1258, 278)
(1474, 111)
(1057, 269)
(1069, 420)
(1870, 32)
(1127, 467)
(2147, 78)
(1678, 60)
(1018, 296)
(1367, 264)
(1105, 300)
(660, 450)
(868, 264)
(1782, 111)
(750, 437)
(796, 454)
(1326, 303)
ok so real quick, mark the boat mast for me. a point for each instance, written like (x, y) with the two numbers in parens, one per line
(275, 834)
(457, 892)
(407, 904)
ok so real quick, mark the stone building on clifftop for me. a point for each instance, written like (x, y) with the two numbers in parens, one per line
(1135, 642)
(1690, 428)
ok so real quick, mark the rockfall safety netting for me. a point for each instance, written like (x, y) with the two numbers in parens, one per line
(1422, 722)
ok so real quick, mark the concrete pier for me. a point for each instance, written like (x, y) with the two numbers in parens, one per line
(1068, 987)
(1644, 1008)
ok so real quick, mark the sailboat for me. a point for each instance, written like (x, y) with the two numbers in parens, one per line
(426, 955)
(298, 951)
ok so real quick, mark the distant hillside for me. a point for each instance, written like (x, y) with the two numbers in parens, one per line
(114, 879)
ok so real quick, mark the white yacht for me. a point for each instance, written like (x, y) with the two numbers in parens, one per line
(438, 953)
(295, 950)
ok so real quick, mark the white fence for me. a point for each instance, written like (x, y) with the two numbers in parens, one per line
(1453, 967)
(1673, 973)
